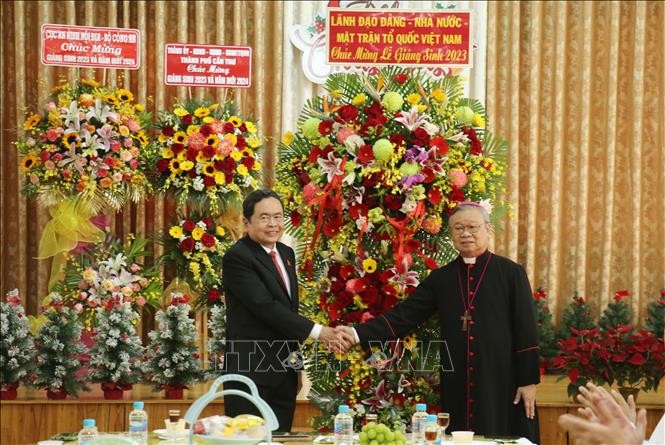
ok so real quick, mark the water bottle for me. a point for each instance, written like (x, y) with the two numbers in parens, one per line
(418, 424)
(88, 433)
(343, 426)
(138, 424)
(432, 430)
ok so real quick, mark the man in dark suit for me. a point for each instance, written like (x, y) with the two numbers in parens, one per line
(264, 328)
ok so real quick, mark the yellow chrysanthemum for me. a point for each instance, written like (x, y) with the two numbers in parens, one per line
(253, 141)
(232, 138)
(208, 119)
(236, 155)
(220, 231)
(125, 95)
(369, 265)
(180, 112)
(140, 108)
(202, 112)
(208, 169)
(421, 108)
(31, 121)
(175, 232)
(478, 120)
(242, 170)
(236, 121)
(413, 98)
(89, 82)
(197, 233)
(288, 138)
(220, 178)
(162, 138)
(186, 165)
(167, 153)
(359, 99)
(438, 95)
(174, 166)
(180, 137)
(257, 166)
(193, 129)
(251, 128)
(28, 162)
(212, 140)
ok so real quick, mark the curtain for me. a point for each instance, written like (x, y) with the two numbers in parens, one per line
(577, 89)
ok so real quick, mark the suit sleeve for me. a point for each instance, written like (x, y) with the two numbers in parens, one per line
(525, 330)
(243, 283)
(404, 317)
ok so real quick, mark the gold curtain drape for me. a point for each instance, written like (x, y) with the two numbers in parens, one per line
(577, 88)
(25, 83)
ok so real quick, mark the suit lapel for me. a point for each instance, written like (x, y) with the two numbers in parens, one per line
(290, 265)
(264, 258)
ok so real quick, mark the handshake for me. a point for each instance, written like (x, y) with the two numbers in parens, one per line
(338, 339)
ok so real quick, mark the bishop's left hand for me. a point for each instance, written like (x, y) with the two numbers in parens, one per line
(528, 394)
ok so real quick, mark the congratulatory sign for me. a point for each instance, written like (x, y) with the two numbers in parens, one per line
(399, 37)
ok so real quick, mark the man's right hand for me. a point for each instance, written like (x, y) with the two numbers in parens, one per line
(336, 339)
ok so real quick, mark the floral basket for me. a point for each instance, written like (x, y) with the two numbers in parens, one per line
(88, 143)
(108, 274)
(196, 247)
(206, 155)
(368, 181)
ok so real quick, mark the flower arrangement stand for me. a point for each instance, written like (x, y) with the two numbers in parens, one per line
(197, 407)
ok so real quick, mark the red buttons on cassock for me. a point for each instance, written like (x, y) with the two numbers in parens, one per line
(472, 338)
(472, 353)
(470, 368)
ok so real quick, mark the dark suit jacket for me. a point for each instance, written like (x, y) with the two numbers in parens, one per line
(263, 326)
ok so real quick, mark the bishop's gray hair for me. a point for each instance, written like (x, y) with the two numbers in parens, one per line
(471, 206)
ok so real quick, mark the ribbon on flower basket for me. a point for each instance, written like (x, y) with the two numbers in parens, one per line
(70, 224)
(334, 191)
(403, 233)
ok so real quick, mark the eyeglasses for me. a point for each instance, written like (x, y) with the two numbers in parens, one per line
(459, 230)
(266, 219)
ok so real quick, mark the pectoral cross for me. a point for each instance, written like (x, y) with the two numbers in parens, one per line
(466, 318)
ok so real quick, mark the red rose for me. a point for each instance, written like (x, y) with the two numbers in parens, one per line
(241, 142)
(400, 78)
(177, 148)
(229, 128)
(187, 244)
(393, 202)
(358, 210)
(434, 196)
(457, 195)
(296, 218)
(248, 162)
(187, 119)
(397, 139)
(420, 137)
(348, 112)
(209, 181)
(205, 130)
(243, 128)
(44, 155)
(167, 130)
(207, 221)
(429, 175)
(208, 240)
(209, 151)
(214, 295)
(162, 165)
(189, 225)
(325, 128)
(332, 228)
(440, 144)
(191, 154)
(314, 154)
(430, 263)
(365, 154)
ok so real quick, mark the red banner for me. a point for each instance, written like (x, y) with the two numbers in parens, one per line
(399, 37)
(90, 46)
(208, 65)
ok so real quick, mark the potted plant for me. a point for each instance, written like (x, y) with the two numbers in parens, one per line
(117, 351)
(172, 361)
(546, 336)
(582, 358)
(17, 350)
(58, 343)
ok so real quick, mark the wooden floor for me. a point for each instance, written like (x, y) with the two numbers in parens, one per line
(31, 417)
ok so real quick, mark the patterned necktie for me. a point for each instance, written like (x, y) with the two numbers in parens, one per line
(273, 255)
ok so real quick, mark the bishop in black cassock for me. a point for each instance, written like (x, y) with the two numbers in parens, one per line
(488, 326)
